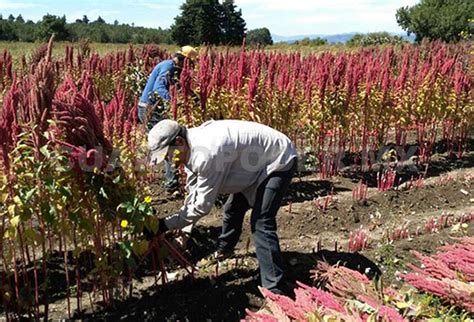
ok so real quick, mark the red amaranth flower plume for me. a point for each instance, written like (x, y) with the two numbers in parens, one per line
(285, 304)
(8, 124)
(204, 79)
(80, 124)
(448, 281)
(323, 298)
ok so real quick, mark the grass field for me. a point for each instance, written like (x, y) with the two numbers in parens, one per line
(17, 49)
(25, 48)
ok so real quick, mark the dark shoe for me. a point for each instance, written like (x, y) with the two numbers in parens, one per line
(285, 289)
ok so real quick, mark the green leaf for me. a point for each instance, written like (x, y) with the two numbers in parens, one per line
(126, 247)
(127, 205)
(12, 209)
(33, 236)
(140, 247)
(15, 221)
(44, 151)
(65, 191)
(103, 193)
(39, 170)
(29, 194)
(49, 213)
(18, 200)
(49, 182)
(86, 225)
(152, 224)
(74, 216)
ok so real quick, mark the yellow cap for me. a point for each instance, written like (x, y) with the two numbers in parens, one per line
(188, 52)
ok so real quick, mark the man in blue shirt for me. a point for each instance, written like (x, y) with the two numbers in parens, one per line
(154, 102)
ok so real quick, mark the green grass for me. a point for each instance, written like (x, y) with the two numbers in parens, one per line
(23, 48)
(17, 49)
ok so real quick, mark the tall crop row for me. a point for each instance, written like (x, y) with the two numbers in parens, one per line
(74, 180)
(341, 102)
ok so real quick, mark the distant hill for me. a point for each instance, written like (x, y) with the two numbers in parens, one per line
(332, 38)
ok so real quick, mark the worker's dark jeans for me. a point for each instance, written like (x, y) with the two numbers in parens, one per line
(171, 174)
(263, 225)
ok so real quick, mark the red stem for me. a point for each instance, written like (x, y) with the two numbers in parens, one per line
(66, 273)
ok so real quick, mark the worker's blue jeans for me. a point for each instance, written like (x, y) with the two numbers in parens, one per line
(171, 174)
(263, 225)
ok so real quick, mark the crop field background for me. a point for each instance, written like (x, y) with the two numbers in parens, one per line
(384, 187)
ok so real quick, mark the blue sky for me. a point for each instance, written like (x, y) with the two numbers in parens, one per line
(282, 17)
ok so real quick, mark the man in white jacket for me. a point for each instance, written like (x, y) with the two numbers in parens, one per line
(251, 162)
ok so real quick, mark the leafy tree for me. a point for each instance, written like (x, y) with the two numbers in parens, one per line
(6, 31)
(80, 29)
(52, 24)
(232, 24)
(209, 22)
(259, 36)
(183, 31)
(11, 18)
(437, 19)
(23, 31)
(375, 38)
(100, 20)
(311, 42)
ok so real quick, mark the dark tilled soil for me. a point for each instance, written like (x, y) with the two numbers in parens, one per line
(224, 293)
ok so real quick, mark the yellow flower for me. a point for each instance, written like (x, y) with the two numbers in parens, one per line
(147, 199)
(124, 223)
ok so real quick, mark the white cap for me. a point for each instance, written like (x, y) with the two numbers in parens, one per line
(159, 139)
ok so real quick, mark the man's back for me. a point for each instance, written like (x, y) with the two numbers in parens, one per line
(159, 81)
(238, 155)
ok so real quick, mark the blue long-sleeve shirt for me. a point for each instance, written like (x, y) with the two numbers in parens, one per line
(159, 81)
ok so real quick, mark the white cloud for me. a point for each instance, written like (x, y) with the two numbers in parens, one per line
(285, 17)
(305, 5)
(8, 5)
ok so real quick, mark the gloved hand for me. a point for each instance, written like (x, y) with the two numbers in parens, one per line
(149, 235)
(180, 240)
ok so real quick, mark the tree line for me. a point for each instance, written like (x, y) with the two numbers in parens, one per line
(200, 22)
(17, 29)
(215, 22)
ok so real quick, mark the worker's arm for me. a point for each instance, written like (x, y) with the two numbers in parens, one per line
(191, 189)
(201, 198)
(191, 185)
